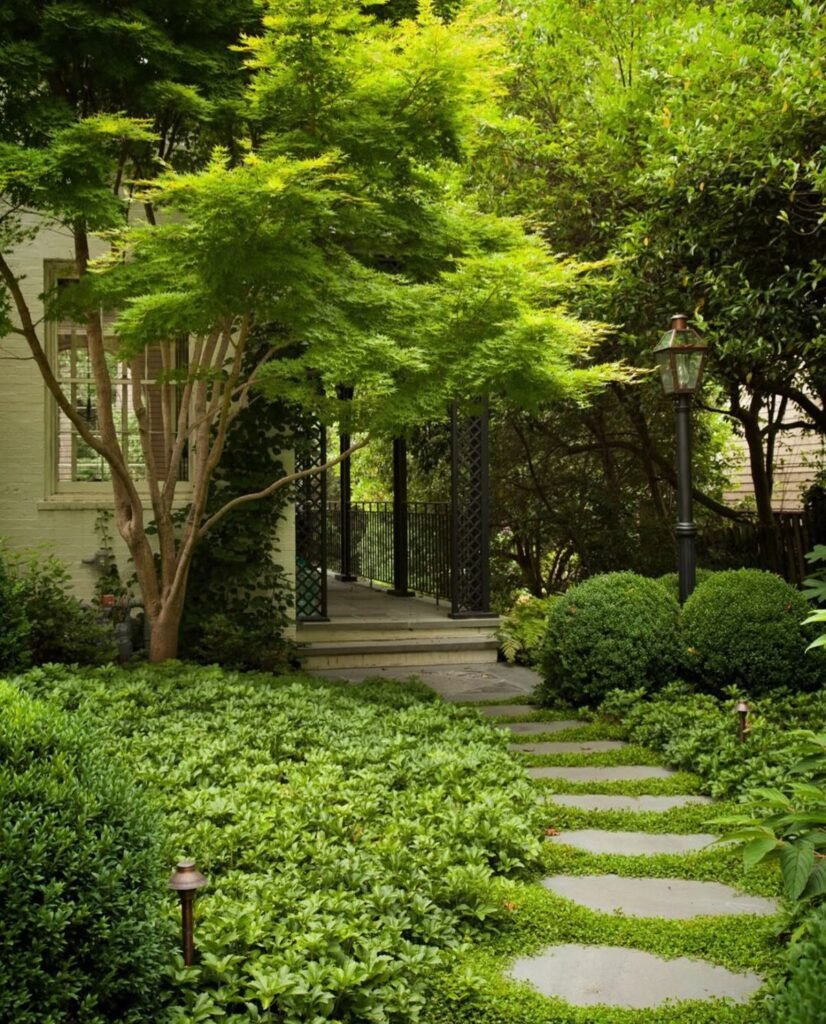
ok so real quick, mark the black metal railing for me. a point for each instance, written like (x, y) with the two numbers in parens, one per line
(371, 525)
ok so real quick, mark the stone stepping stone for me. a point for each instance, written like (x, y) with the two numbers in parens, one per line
(632, 844)
(561, 747)
(671, 898)
(532, 728)
(631, 978)
(597, 802)
(619, 773)
(494, 710)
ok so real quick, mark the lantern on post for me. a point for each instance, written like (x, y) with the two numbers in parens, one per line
(680, 356)
(186, 880)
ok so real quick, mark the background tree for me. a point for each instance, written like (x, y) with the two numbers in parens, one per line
(682, 144)
(344, 236)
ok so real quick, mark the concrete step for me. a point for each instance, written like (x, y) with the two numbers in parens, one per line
(400, 653)
(376, 630)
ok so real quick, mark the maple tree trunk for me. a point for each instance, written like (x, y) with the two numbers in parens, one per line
(163, 636)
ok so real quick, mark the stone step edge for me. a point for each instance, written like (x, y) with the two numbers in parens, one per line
(396, 646)
(387, 625)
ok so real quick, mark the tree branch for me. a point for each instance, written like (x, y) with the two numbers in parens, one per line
(284, 481)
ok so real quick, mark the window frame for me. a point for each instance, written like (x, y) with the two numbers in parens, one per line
(99, 491)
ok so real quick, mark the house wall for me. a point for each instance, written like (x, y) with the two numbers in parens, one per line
(31, 513)
(799, 455)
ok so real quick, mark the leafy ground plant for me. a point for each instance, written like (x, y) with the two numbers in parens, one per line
(351, 835)
(789, 825)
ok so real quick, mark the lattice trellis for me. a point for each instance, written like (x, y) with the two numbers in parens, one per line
(470, 515)
(310, 527)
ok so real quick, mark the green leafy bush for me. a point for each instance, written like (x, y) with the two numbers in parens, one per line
(698, 732)
(42, 621)
(802, 996)
(743, 627)
(81, 938)
(671, 581)
(788, 824)
(613, 631)
(816, 592)
(522, 631)
(14, 626)
(351, 834)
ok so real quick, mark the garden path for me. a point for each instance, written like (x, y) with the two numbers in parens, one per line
(589, 975)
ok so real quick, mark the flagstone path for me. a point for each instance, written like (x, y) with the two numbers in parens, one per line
(588, 975)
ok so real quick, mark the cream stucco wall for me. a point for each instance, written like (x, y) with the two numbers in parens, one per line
(31, 513)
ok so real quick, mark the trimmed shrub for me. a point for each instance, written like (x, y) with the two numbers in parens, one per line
(742, 627)
(81, 937)
(671, 581)
(617, 631)
(802, 999)
(42, 621)
(14, 626)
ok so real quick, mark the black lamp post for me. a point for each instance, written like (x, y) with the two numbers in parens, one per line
(680, 356)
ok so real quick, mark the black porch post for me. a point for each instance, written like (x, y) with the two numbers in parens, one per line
(345, 504)
(311, 527)
(470, 515)
(400, 550)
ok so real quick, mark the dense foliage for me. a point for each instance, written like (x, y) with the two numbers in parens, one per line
(239, 597)
(616, 630)
(788, 824)
(350, 834)
(743, 628)
(680, 143)
(698, 732)
(521, 633)
(81, 932)
(41, 620)
(803, 995)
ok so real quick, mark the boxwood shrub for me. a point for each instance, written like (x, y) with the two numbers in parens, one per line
(742, 627)
(615, 631)
(81, 938)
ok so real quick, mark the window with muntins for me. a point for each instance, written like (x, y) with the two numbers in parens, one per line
(77, 462)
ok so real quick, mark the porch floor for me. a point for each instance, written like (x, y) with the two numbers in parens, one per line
(361, 601)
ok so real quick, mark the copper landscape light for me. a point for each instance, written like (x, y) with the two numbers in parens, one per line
(186, 880)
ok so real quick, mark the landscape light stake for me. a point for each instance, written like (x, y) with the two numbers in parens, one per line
(186, 881)
(742, 714)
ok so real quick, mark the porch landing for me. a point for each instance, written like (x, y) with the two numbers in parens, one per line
(370, 628)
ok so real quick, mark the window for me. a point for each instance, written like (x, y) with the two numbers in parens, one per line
(76, 462)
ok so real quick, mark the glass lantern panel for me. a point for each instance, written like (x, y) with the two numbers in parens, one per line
(687, 365)
(666, 371)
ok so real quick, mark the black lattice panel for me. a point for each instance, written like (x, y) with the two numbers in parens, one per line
(310, 527)
(470, 534)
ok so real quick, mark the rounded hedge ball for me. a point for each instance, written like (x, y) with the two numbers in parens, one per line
(614, 631)
(743, 627)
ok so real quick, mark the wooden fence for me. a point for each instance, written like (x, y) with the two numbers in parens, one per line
(781, 549)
